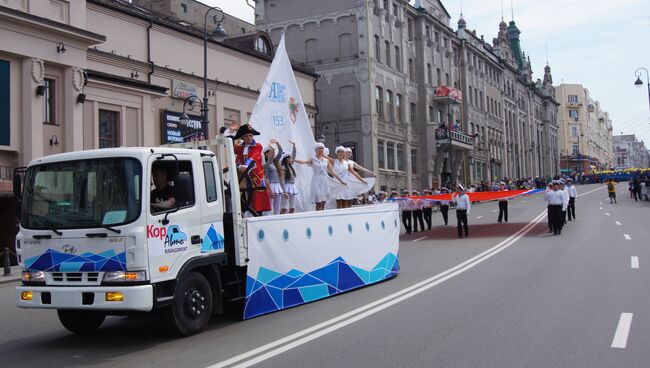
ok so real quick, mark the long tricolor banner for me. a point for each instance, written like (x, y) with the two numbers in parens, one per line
(475, 196)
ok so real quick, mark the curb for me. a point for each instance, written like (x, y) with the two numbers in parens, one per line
(9, 279)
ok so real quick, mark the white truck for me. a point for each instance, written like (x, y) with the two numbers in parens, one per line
(92, 244)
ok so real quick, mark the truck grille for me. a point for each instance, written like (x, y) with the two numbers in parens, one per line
(75, 277)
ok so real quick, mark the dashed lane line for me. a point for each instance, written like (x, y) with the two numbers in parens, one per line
(627, 237)
(607, 213)
(622, 331)
(418, 239)
(634, 262)
(617, 223)
(478, 217)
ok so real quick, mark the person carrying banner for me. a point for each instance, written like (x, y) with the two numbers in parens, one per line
(503, 205)
(406, 208)
(288, 203)
(248, 157)
(274, 175)
(427, 208)
(444, 206)
(463, 207)
(556, 205)
(320, 190)
(417, 211)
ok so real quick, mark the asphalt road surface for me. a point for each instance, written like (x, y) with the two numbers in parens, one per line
(509, 295)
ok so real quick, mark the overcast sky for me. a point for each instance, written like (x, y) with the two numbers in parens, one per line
(596, 43)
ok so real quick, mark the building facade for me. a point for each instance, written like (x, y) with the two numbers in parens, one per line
(630, 152)
(86, 74)
(421, 103)
(585, 131)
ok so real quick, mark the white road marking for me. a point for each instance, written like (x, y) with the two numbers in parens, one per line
(601, 208)
(302, 337)
(607, 213)
(524, 201)
(622, 331)
(601, 203)
(618, 223)
(634, 262)
(478, 217)
(494, 210)
(627, 237)
(418, 239)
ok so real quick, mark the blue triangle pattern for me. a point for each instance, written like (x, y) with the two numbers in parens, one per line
(53, 260)
(273, 291)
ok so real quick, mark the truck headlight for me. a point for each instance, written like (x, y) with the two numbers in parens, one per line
(124, 276)
(33, 276)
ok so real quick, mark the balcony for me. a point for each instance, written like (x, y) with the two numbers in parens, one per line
(448, 95)
(456, 139)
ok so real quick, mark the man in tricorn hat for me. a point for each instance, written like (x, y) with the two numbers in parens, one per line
(249, 159)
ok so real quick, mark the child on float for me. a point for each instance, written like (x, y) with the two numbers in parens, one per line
(274, 175)
(288, 204)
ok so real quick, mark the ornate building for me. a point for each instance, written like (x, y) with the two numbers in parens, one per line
(422, 104)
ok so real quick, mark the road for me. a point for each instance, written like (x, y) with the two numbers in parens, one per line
(509, 295)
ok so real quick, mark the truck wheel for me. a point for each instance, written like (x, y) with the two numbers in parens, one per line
(192, 306)
(81, 321)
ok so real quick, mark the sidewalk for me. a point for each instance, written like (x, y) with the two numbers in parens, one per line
(14, 276)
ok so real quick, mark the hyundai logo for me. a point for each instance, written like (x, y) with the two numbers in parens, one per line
(70, 249)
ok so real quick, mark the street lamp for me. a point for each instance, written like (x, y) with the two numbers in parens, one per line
(219, 34)
(639, 82)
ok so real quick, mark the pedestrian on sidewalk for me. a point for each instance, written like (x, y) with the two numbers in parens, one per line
(463, 207)
(444, 206)
(573, 194)
(611, 190)
(503, 204)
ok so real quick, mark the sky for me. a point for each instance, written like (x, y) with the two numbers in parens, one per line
(596, 43)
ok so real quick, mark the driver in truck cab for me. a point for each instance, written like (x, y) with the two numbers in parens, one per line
(163, 196)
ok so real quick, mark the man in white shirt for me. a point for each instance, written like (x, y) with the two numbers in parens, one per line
(416, 207)
(444, 206)
(564, 189)
(573, 194)
(427, 208)
(503, 205)
(463, 206)
(556, 200)
(406, 208)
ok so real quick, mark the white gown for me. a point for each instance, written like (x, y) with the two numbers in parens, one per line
(320, 190)
(342, 170)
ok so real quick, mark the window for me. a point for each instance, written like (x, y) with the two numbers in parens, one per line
(447, 80)
(390, 154)
(400, 157)
(398, 59)
(574, 131)
(414, 162)
(386, 6)
(413, 113)
(480, 99)
(311, 50)
(573, 113)
(387, 53)
(345, 45)
(409, 26)
(411, 70)
(427, 32)
(573, 98)
(398, 108)
(377, 49)
(49, 101)
(436, 37)
(231, 117)
(379, 101)
(381, 145)
(396, 11)
(439, 76)
(389, 105)
(430, 113)
(108, 128)
(262, 46)
(4, 103)
(576, 151)
(210, 183)
(184, 7)
(429, 74)
(164, 172)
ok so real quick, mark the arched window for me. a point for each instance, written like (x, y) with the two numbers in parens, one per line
(345, 45)
(311, 50)
(377, 49)
(262, 46)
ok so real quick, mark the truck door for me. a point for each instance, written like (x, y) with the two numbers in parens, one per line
(174, 225)
(212, 207)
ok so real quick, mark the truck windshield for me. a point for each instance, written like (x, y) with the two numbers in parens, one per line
(82, 194)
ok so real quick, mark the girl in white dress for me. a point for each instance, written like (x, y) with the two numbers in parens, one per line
(320, 191)
(345, 170)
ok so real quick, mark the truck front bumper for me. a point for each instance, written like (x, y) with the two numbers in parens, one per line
(134, 298)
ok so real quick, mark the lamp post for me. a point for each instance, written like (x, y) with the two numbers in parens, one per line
(639, 82)
(218, 33)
